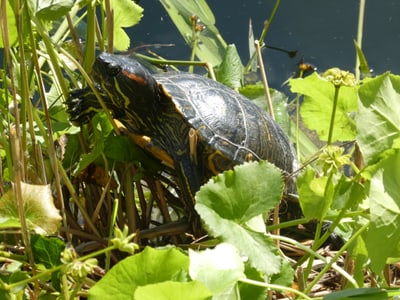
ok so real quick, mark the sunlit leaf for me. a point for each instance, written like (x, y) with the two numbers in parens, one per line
(52, 9)
(211, 46)
(40, 212)
(126, 14)
(378, 116)
(384, 197)
(218, 269)
(148, 267)
(228, 201)
(230, 72)
(172, 290)
(316, 109)
(314, 200)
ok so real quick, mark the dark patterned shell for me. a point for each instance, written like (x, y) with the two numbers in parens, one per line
(227, 122)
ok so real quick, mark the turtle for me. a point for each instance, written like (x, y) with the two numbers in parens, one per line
(197, 126)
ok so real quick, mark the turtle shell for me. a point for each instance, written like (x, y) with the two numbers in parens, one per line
(197, 124)
(231, 128)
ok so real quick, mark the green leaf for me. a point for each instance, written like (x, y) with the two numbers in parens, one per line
(364, 294)
(40, 213)
(18, 276)
(230, 200)
(359, 253)
(47, 250)
(211, 46)
(170, 290)
(279, 103)
(148, 267)
(52, 9)
(312, 194)
(250, 291)
(218, 269)
(378, 116)
(73, 151)
(122, 148)
(384, 196)
(348, 193)
(12, 28)
(316, 109)
(126, 14)
(364, 67)
(230, 71)
(101, 129)
(244, 192)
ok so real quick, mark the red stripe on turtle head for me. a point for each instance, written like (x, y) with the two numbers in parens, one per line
(138, 79)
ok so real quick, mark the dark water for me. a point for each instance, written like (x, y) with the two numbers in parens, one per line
(322, 31)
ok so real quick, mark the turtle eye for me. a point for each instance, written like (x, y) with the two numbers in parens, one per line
(113, 69)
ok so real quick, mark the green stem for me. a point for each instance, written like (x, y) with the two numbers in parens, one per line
(335, 101)
(110, 233)
(360, 26)
(274, 287)
(268, 23)
(9, 287)
(336, 257)
(314, 247)
(318, 242)
(319, 256)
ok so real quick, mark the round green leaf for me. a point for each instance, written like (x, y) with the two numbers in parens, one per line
(229, 201)
(148, 267)
(244, 192)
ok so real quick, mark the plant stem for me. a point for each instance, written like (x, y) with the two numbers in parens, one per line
(334, 259)
(319, 256)
(268, 23)
(110, 233)
(274, 287)
(264, 79)
(335, 101)
(360, 26)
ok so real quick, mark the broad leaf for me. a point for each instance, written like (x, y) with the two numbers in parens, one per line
(211, 46)
(314, 200)
(248, 291)
(40, 213)
(172, 290)
(148, 267)
(218, 269)
(363, 293)
(230, 200)
(378, 116)
(384, 196)
(230, 71)
(246, 191)
(52, 9)
(47, 250)
(126, 14)
(359, 253)
(316, 109)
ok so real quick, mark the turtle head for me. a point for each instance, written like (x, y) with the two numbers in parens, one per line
(125, 80)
